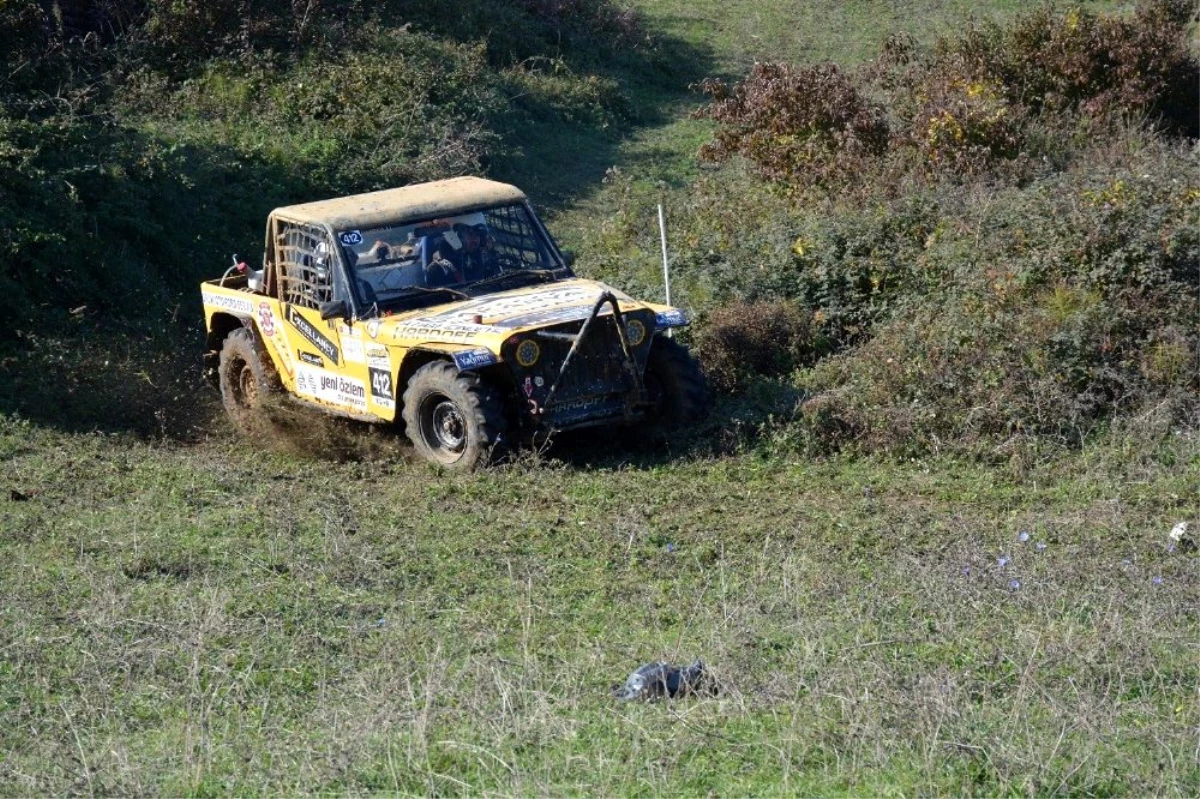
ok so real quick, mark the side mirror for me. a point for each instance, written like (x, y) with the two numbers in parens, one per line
(335, 309)
(568, 257)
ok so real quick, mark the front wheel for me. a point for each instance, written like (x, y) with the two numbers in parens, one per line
(677, 389)
(453, 418)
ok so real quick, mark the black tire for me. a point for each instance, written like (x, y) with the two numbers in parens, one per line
(454, 419)
(245, 378)
(676, 385)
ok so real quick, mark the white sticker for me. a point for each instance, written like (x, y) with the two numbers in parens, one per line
(225, 302)
(331, 387)
(377, 356)
(352, 350)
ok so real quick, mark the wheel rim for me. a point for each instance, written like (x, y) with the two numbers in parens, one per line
(444, 428)
(247, 387)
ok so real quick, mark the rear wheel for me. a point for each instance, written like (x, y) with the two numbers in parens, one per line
(244, 378)
(454, 419)
(676, 386)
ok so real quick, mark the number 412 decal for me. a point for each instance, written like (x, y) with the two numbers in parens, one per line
(381, 383)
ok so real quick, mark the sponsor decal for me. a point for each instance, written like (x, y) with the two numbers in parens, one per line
(382, 393)
(266, 319)
(377, 357)
(242, 305)
(444, 331)
(533, 404)
(350, 238)
(305, 328)
(373, 328)
(331, 387)
(671, 318)
(352, 350)
(539, 381)
(580, 404)
(473, 359)
(528, 352)
(310, 358)
(525, 303)
(542, 318)
(583, 408)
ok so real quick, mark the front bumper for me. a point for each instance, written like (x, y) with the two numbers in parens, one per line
(581, 374)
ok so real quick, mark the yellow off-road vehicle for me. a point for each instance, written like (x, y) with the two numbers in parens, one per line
(446, 305)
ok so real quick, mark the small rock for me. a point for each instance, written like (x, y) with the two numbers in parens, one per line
(1023, 536)
(1183, 536)
(656, 680)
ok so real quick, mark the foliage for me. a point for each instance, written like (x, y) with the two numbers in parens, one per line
(180, 36)
(802, 124)
(993, 100)
(1078, 317)
(143, 145)
(745, 339)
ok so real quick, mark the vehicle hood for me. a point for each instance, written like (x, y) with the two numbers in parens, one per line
(489, 320)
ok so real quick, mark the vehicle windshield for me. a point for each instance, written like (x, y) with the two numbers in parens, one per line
(434, 260)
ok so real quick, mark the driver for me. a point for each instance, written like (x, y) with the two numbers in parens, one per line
(477, 259)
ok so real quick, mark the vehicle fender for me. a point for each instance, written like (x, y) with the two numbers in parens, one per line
(220, 325)
(466, 358)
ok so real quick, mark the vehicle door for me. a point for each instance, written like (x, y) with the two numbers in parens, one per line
(329, 365)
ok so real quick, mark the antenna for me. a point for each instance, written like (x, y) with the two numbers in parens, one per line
(662, 229)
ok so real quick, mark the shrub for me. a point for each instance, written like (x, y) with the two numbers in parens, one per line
(181, 35)
(744, 339)
(802, 125)
(994, 101)
(1068, 314)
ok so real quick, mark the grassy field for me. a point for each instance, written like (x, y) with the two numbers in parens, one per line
(187, 613)
(224, 619)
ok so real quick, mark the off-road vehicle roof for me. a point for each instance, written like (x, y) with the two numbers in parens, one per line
(424, 201)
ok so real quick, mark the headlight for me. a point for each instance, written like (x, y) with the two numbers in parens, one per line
(528, 352)
(635, 332)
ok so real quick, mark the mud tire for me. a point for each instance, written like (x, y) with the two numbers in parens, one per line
(676, 385)
(454, 419)
(245, 378)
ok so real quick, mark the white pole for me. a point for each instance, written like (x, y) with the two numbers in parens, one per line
(662, 229)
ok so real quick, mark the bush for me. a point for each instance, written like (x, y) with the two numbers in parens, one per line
(745, 339)
(180, 36)
(993, 101)
(1072, 319)
(408, 108)
(801, 125)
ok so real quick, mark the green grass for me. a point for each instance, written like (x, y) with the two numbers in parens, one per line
(740, 32)
(227, 618)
